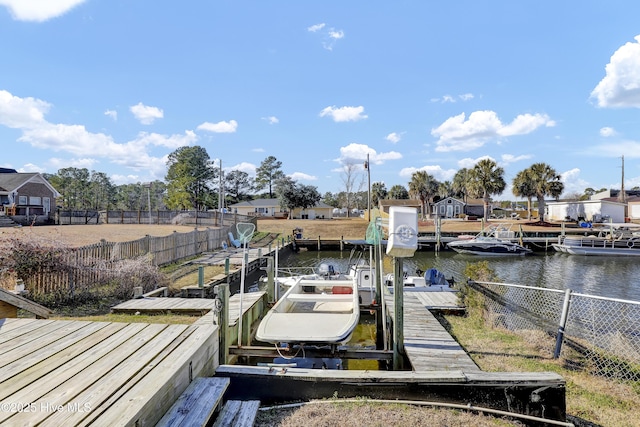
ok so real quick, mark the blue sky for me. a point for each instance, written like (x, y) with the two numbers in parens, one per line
(115, 86)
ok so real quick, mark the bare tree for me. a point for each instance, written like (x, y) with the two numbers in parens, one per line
(353, 181)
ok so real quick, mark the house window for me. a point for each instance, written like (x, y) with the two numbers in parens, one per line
(457, 209)
(35, 201)
(22, 200)
(442, 209)
(46, 203)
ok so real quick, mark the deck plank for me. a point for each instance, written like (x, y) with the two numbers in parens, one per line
(427, 344)
(161, 383)
(38, 338)
(70, 361)
(61, 389)
(12, 328)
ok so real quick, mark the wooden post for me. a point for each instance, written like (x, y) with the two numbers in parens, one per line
(319, 245)
(201, 276)
(137, 292)
(223, 352)
(341, 243)
(271, 291)
(398, 323)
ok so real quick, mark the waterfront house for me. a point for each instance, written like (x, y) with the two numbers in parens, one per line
(259, 208)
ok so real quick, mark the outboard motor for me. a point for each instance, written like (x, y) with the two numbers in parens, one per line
(433, 277)
(326, 270)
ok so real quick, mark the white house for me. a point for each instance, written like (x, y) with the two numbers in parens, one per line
(259, 207)
(271, 208)
(588, 210)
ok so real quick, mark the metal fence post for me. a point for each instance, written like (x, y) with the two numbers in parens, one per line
(563, 323)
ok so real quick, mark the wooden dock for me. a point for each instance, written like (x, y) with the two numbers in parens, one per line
(63, 372)
(427, 344)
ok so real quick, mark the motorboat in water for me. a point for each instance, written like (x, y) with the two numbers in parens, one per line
(313, 311)
(498, 240)
(612, 239)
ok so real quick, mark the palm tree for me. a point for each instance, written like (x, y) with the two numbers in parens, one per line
(423, 186)
(445, 189)
(523, 187)
(546, 182)
(486, 178)
(460, 184)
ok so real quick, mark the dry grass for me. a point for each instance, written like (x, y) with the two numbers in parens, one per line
(368, 413)
(589, 397)
(82, 235)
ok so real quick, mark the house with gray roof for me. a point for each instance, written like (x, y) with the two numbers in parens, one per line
(26, 197)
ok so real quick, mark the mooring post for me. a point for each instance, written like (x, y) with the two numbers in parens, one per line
(223, 351)
(271, 289)
(398, 322)
(201, 276)
(319, 245)
(563, 323)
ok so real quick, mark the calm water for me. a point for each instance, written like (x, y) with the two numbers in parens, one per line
(613, 277)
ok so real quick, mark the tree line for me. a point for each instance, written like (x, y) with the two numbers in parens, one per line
(194, 181)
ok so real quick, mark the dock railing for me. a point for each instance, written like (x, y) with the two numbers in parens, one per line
(605, 331)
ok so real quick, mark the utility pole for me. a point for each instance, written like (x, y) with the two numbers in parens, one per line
(368, 168)
(622, 197)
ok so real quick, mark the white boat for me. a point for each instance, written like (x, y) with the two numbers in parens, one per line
(313, 311)
(606, 239)
(498, 240)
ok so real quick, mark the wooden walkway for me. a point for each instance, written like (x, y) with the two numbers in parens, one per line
(193, 306)
(63, 372)
(427, 344)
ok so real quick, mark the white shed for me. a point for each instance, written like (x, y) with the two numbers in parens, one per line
(588, 210)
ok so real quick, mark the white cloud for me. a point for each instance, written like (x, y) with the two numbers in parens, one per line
(469, 163)
(220, 127)
(145, 114)
(258, 150)
(572, 181)
(316, 27)
(510, 158)
(453, 99)
(460, 134)
(607, 132)
(85, 162)
(30, 167)
(249, 168)
(628, 149)
(39, 10)
(301, 176)
(394, 137)
(620, 86)
(85, 148)
(20, 113)
(358, 152)
(435, 170)
(272, 120)
(336, 34)
(112, 113)
(344, 114)
(329, 35)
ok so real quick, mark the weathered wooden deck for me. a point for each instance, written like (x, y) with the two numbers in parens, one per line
(427, 344)
(63, 372)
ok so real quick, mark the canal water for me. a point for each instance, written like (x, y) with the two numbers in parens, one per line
(612, 277)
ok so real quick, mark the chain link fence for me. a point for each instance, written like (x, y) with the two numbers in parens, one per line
(605, 331)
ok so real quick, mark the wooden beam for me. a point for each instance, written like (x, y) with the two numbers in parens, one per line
(18, 301)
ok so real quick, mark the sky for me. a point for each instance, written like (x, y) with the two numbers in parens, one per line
(115, 86)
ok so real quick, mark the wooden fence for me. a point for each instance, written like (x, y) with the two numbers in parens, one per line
(90, 267)
(191, 217)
